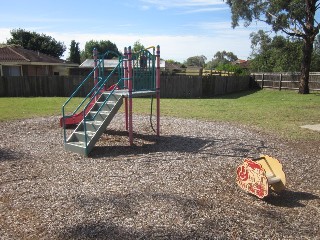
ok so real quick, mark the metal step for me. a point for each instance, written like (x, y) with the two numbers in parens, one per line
(80, 136)
(99, 116)
(94, 128)
(77, 147)
(105, 107)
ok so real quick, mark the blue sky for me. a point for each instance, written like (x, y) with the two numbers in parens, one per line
(182, 28)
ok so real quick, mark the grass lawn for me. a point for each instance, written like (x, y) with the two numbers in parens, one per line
(281, 112)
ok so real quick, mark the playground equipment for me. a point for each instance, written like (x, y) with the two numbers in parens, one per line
(78, 117)
(138, 75)
(258, 176)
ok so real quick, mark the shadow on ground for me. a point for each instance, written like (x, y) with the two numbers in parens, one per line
(116, 143)
(128, 207)
(290, 199)
(9, 155)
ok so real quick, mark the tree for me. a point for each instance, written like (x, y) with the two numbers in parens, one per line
(173, 61)
(74, 52)
(295, 18)
(37, 42)
(315, 63)
(137, 46)
(222, 57)
(102, 47)
(277, 54)
(198, 61)
(225, 56)
(235, 69)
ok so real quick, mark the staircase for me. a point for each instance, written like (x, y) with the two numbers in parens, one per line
(89, 130)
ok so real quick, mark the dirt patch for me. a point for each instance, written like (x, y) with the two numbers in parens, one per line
(177, 186)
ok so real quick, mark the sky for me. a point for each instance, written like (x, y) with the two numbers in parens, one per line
(182, 28)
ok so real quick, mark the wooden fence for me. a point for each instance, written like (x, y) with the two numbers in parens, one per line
(180, 86)
(285, 80)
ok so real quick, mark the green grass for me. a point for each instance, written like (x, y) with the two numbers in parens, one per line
(21, 108)
(280, 112)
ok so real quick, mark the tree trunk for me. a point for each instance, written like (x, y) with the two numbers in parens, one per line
(310, 34)
(305, 66)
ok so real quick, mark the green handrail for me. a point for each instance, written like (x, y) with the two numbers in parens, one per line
(100, 83)
(97, 92)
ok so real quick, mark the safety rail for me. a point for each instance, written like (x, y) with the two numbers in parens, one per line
(143, 63)
(98, 92)
(94, 91)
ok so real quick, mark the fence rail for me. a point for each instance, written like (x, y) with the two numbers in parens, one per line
(285, 80)
(171, 86)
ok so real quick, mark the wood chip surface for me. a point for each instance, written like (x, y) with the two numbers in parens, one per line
(180, 185)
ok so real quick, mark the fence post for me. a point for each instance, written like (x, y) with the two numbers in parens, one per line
(280, 82)
(262, 81)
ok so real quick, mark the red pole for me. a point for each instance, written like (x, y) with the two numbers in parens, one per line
(126, 85)
(158, 89)
(130, 95)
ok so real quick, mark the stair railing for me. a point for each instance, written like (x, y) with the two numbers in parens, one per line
(97, 93)
(94, 91)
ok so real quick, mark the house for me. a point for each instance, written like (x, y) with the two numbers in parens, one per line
(242, 63)
(173, 68)
(194, 70)
(17, 61)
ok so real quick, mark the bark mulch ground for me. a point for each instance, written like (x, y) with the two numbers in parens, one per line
(180, 185)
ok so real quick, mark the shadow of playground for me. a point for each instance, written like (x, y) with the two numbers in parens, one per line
(145, 144)
(116, 143)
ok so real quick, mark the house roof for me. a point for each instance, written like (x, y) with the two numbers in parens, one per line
(240, 61)
(172, 66)
(17, 54)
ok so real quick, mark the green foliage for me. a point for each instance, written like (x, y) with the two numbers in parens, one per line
(37, 42)
(295, 18)
(277, 54)
(173, 61)
(315, 62)
(74, 52)
(235, 69)
(198, 61)
(102, 47)
(137, 46)
(282, 15)
(221, 58)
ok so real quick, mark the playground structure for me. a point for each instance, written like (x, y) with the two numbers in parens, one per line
(138, 76)
(259, 176)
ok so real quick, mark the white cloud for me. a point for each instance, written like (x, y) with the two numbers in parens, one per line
(185, 3)
(4, 34)
(145, 7)
(174, 47)
(166, 4)
(177, 47)
(212, 9)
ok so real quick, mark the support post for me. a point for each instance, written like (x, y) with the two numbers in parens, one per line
(158, 88)
(96, 71)
(126, 85)
(280, 82)
(130, 94)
